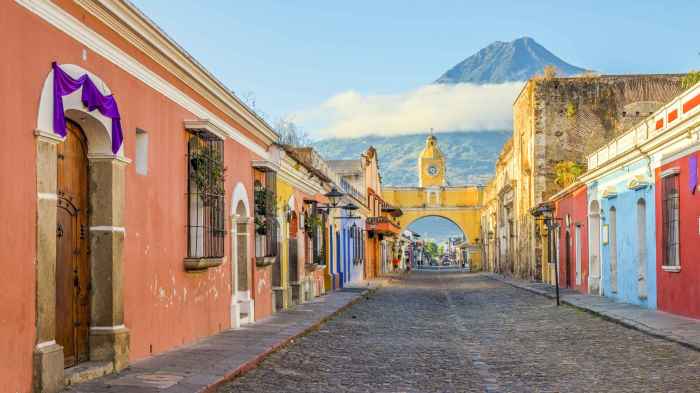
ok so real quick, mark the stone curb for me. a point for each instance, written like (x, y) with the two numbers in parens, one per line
(253, 363)
(626, 322)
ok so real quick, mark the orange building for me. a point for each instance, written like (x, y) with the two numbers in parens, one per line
(380, 224)
(119, 242)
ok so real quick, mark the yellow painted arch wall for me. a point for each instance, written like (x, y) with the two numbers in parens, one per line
(466, 219)
(460, 205)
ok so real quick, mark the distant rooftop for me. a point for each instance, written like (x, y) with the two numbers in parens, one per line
(345, 166)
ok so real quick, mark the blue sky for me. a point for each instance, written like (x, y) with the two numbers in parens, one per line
(295, 55)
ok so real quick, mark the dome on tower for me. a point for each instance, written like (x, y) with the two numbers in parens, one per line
(431, 149)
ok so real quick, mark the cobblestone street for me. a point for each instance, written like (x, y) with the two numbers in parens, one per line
(457, 332)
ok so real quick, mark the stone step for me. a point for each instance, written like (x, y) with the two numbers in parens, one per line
(87, 371)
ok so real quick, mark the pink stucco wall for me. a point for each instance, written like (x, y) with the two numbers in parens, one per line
(164, 306)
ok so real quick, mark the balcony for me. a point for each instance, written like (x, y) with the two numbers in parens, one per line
(382, 225)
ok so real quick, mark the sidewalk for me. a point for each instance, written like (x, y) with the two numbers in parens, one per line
(685, 331)
(202, 366)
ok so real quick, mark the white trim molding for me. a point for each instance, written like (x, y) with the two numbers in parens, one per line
(638, 182)
(48, 136)
(66, 23)
(140, 31)
(45, 344)
(609, 192)
(103, 228)
(673, 156)
(204, 125)
(49, 196)
(240, 195)
(670, 172)
(108, 328)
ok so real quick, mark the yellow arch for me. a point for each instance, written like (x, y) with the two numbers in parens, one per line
(407, 224)
(460, 205)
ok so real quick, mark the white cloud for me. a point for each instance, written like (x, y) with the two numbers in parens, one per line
(441, 107)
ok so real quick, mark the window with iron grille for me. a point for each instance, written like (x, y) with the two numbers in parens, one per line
(670, 188)
(206, 228)
(266, 224)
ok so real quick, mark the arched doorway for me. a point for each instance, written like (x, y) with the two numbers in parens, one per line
(242, 309)
(594, 241)
(72, 265)
(293, 258)
(91, 295)
(613, 249)
(642, 248)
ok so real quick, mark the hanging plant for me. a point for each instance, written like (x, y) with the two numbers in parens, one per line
(260, 225)
(260, 201)
(207, 172)
(260, 210)
(311, 223)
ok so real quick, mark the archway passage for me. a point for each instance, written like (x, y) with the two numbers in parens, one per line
(465, 217)
(441, 242)
(72, 264)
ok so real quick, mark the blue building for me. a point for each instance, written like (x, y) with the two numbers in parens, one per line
(625, 223)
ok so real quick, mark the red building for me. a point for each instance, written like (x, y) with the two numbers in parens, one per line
(678, 233)
(571, 237)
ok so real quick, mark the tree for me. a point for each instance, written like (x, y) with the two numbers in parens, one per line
(291, 134)
(690, 79)
(431, 248)
(566, 173)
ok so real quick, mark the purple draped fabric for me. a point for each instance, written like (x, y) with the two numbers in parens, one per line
(693, 171)
(63, 85)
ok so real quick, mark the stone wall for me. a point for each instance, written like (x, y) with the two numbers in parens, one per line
(579, 115)
(563, 119)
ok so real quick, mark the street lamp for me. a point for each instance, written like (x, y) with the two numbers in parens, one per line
(545, 213)
(333, 196)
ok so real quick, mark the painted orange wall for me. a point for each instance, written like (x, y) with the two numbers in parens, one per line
(262, 290)
(18, 202)
(164, 306)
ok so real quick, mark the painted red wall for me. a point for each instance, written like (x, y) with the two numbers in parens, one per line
(679, 293)
(574, 204)
(164, 306)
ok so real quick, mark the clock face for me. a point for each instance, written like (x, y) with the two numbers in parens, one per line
(432, 170)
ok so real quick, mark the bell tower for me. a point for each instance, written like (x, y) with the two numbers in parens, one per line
(431, 164)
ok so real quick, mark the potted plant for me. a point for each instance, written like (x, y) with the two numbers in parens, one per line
(311, 223)
(207, 173)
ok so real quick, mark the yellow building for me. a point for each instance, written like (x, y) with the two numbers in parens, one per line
(433, 197)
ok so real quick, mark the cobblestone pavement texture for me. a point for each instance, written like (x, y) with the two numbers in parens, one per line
(457, 332)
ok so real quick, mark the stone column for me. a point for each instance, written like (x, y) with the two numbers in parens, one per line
(109, 338)
(48, 355)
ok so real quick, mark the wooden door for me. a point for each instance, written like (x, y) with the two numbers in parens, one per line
(72, 264)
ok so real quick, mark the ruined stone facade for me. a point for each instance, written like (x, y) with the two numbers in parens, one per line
(555, 120)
